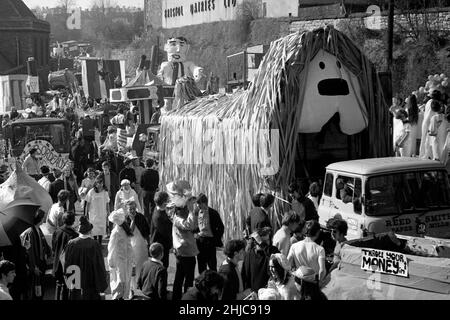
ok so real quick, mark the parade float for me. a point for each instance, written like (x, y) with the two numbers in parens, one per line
(388, 267)
(316, 99)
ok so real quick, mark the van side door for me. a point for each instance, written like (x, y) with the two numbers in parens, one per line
(326, 201)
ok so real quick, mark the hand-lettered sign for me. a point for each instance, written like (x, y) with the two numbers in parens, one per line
(47, 154)
(384, 262)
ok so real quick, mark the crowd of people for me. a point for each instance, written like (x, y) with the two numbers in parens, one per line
(431, 139)
(142, 226)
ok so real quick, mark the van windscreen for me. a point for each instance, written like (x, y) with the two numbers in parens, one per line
(407, 192)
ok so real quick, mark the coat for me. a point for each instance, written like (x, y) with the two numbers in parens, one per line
(60, 238)
(120, 260)
(255, 269)
(231, 283)
(217, 227)
(257, 219)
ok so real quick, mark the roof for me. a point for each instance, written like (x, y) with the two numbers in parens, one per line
(15, 9)
(42, 120)
(383, 165)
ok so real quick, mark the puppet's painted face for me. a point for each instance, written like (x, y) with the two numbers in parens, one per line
(332, 88)
(176, 50)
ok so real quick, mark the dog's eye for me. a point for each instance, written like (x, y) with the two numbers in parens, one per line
(338, 63)
(322, 65)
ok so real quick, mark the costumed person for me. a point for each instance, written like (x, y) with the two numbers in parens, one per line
(38, 251)
(413, 117)
(86, 253)
(425, 143)
(185, 222)
(126, 193)
(402, 141)
(281, 278)
(140, 239)
(120, 256)
(97, 208)
(177, 67)
(437, 130)
(60, 238)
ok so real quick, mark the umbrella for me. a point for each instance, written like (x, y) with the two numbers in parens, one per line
(11, 228)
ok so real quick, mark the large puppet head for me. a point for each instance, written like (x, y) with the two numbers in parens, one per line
(331, 88)
(179, 193)
(177, 49)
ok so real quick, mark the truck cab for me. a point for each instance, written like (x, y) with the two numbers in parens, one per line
(408, 196)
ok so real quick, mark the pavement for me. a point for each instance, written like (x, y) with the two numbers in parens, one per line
(49, 283)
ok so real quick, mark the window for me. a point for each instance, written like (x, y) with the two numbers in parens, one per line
(328, 187)
(407, 193)
(348, 190)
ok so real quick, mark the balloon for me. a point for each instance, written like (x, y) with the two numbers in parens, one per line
(442, 75)
(421, 89)
(430, 77)
(444, 83)
(428, 84)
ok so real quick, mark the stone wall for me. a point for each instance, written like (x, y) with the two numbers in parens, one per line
(439, 21)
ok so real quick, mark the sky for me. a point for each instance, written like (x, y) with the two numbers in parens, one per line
(83, 3)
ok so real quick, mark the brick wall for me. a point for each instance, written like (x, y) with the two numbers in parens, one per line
(441, 21)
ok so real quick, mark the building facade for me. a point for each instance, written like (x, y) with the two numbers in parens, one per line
(22, 35)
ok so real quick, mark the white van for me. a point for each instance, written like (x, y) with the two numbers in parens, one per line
(409, 196)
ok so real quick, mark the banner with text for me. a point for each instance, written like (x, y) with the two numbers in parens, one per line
(384, 262)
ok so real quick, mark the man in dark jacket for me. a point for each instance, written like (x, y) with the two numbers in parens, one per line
(209, 235)
(301, 204)
(259, 216)
(128, 172)
(149, 185)
(112, 183)
(255, 269)
(161, 226)
(208, 287)
(56, 186)
(152, 280)
(59, 241)
(233, 288)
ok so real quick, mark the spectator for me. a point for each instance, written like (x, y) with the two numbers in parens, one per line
(282, 238)
(120, 256)
(31, 164)
(149, 184)
(55, 215)
(211, 228)
(338, 232)
(57, 185)
(233, 288)
(138, 171)
(86, 253)
(208, 287)
(314, 194)
(70, 184)
(112, 186)
(259, 216)
(255, 269)
(281, 278)
(87, 184)
(307, 284)
(298, 233)
(7, 275)
(308, 253)
(45, 181)
(161, 226)
(185, 222)
(301, 204)
(124, 194)
(60, 238)
(97, 208)
(38, 252)
(152, 280)
(128, 172)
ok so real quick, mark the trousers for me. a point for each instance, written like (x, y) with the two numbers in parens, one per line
(207, 254)
(184, 276)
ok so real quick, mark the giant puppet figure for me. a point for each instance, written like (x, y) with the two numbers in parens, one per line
(177, 66)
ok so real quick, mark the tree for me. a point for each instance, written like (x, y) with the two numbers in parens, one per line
(66, 4)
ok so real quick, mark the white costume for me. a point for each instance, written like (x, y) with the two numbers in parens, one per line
(425, 144)
(98, 213)
(438, 135)
(120, 258)
(123, 196)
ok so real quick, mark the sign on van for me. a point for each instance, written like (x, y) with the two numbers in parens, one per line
(384, 262)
